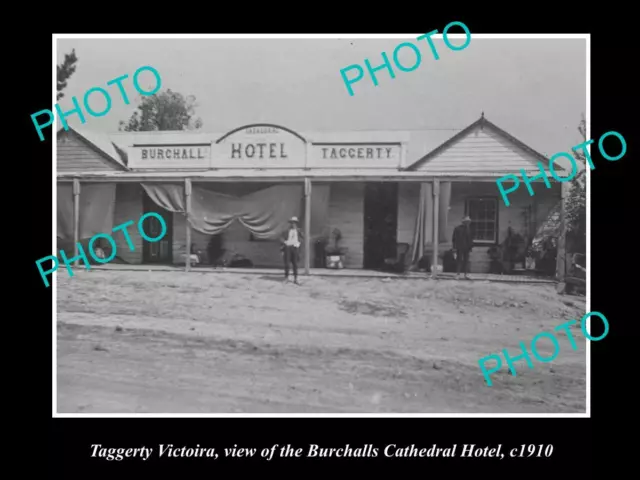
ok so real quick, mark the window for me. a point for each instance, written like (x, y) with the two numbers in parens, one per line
(484, 219)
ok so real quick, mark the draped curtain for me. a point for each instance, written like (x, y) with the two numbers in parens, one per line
(423, 232)
(264, 213)
(96, 210)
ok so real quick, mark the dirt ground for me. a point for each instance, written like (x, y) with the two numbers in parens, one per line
(175, 342)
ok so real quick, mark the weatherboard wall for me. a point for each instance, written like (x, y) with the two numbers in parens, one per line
(128, 208)
(77, 155)
(346, 212)
(482, 150)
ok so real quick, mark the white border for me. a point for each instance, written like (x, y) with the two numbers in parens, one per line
(54, 129)
(588, 214)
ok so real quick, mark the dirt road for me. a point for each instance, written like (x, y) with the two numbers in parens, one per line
(172, 342)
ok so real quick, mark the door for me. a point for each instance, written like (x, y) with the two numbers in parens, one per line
(380, 223)
(160, 252)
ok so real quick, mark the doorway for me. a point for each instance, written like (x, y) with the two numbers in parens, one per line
(380, 223)
(160, 252)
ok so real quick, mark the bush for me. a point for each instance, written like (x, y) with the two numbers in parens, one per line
(575, 206)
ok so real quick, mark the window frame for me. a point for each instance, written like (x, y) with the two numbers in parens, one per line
(496, 235)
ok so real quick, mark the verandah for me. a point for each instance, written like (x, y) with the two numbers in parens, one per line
(84, 212)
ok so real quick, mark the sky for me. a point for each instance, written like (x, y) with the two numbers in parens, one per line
(535, 89)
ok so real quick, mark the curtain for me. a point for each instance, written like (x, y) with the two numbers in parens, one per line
(96, 210)
(97, 202)
(423, 232)
(264, 213)
(65, 211)
(168, 196)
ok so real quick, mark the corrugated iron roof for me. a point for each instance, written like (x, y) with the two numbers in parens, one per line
(420, 144)
(127, 139)
(424, 141)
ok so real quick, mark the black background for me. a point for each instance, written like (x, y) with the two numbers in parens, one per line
(580, 445)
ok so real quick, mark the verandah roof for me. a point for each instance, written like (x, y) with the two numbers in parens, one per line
(293, 174)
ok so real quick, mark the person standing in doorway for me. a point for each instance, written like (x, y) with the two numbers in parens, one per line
(291, 240)
(462, 245)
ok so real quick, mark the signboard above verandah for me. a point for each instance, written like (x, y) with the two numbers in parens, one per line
(170, 156)
(264, 146)
(355, 155)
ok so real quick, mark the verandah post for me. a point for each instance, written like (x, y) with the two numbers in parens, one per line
(187, 214)
(436, 221)
(307, 226)
(76, 219)
(561, 256)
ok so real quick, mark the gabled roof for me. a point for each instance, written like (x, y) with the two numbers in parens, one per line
(101, 143)
(426, 144)
(482, 123)
(424, 141)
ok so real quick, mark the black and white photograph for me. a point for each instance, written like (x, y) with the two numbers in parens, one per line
(308, 225)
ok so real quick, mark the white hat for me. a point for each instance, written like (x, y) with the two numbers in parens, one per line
(293, 219)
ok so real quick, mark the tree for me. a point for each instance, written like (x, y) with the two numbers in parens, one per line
(576, 208)
(166, 110)
(64, 71)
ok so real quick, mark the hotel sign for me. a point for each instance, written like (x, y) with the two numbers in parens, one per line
(170, 156)
(258, 150)
(169, 153)
(355, 155)
(259, 147)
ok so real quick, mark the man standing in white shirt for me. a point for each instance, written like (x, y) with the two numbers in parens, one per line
(291, 240)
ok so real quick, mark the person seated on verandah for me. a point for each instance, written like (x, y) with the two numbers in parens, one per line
(194, 258)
